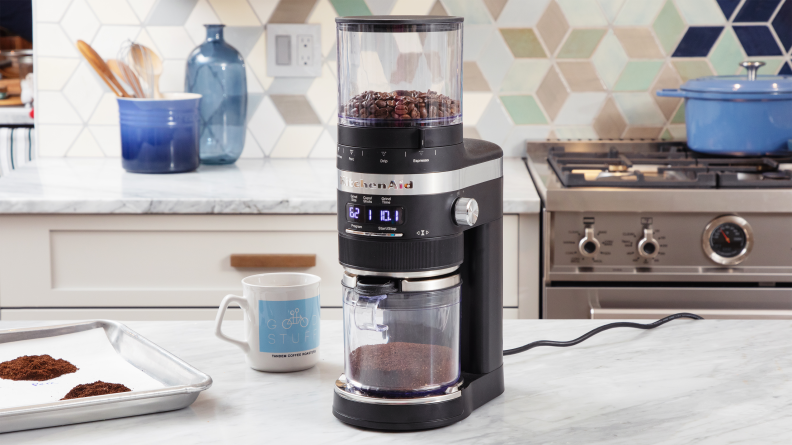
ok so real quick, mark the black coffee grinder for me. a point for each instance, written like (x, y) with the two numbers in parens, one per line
(420, 230)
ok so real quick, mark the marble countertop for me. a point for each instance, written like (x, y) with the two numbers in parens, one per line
(93, 185)
(702, 382)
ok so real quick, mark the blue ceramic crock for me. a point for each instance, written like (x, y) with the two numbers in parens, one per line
(737, 115)
(160, 135)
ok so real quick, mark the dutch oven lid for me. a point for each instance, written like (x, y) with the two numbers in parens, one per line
(750, 83)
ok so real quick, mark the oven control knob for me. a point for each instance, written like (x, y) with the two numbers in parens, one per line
(588, 245)
(648, 246)
(466, 211)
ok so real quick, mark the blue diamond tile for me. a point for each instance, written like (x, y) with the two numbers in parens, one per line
(697, 41)
(757, 40)
(785, 69)
(756, 10)
(783, 24)
(728, 7)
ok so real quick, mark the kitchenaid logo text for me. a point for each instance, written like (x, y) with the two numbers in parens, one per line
(349, 182)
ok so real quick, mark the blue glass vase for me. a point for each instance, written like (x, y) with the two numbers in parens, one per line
(217, 71)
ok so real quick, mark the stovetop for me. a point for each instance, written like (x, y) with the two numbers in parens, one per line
(672, 166)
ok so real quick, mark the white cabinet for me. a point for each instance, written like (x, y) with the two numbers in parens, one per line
(178, 266)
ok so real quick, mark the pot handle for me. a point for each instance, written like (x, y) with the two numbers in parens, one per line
(671, 93)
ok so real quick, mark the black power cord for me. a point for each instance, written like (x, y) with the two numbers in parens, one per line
(586, 336)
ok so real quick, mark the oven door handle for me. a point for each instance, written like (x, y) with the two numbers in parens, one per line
(722, 314)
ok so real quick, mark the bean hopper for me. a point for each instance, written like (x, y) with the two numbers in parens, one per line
(420, 230)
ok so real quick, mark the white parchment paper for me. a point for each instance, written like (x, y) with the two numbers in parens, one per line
(90, 351)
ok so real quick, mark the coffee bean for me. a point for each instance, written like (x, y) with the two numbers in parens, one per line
(401, 104)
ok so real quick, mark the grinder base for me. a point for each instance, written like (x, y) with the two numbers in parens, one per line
(419, 413)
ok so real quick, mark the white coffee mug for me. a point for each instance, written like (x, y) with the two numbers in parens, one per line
(281, 312)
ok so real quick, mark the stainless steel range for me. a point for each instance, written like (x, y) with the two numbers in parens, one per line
(643, 230)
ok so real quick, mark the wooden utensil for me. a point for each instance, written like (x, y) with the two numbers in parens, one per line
(101, 68)
(148, 62)
(125, 73)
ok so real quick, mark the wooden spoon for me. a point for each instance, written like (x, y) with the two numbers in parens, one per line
(125, 73)
(147, 61)
(101, 68)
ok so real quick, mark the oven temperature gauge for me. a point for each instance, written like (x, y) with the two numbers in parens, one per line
(728, 240)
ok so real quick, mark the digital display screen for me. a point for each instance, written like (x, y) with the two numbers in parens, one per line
(393, 215)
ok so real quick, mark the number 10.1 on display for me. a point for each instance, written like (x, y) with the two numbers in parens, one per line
(375, 214)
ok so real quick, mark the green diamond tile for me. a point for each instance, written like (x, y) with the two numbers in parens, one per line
(638, 75)
(679, 116)
(581, 43)
(666, 136)
(350, 7)
(727, 54)
(669, 26)
(474, 11)
(522, 42)
(523, 110)
(692, 69)
(524, 76)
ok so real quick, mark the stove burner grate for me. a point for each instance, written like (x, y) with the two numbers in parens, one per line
(675, 167)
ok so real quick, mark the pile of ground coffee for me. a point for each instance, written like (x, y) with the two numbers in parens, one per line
(98, 388)
(35, 367)
(403, 366)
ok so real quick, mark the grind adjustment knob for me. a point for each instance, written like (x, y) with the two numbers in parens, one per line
(466, 211)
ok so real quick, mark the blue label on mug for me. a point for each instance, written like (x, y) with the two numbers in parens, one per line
(289, 326)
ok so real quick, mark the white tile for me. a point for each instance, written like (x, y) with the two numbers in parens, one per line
(114, 12)
(609, 59)
(79, 22)
(263, 8)
(253, 85)
(85, 146)
(575, 133)
(521, 13)
(473, 105)
(514, 146)
(323, 94)
(257, 61)
(235, 12)
(474, 12)
(172, 41)
(110, 38)
(495, 60)
(525, 75)
(109, 139)
(475, 38)
(172, 79)
(583, 13)
(640, 109)
(296, 141)
(324, 14)
(325, 147)
(50, 10)
(380, 7)
(412, 7)
(52, 41)
(55, 140)
(201, 15)
(143, 38)
(266, 125)
(701, 12)
(611, 8)
(106, 112)
(141, 7)
(251, 150)
(639, 12)
(53, 72)
(580, 109)
(495, 123)
(84, 90)
(53, 108)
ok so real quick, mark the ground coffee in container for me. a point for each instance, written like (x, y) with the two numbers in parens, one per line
(403, 366)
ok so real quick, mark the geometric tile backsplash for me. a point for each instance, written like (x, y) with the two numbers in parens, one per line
(533, 69)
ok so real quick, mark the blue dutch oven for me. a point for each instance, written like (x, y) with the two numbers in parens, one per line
(738, 115)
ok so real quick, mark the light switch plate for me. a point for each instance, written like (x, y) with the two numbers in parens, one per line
(294, 50)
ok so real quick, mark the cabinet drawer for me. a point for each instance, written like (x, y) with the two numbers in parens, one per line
(153, 260)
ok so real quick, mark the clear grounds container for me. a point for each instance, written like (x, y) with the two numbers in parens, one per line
(399, 71)
(401, 344)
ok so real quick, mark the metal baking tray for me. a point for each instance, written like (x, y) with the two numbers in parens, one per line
(182, 382)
